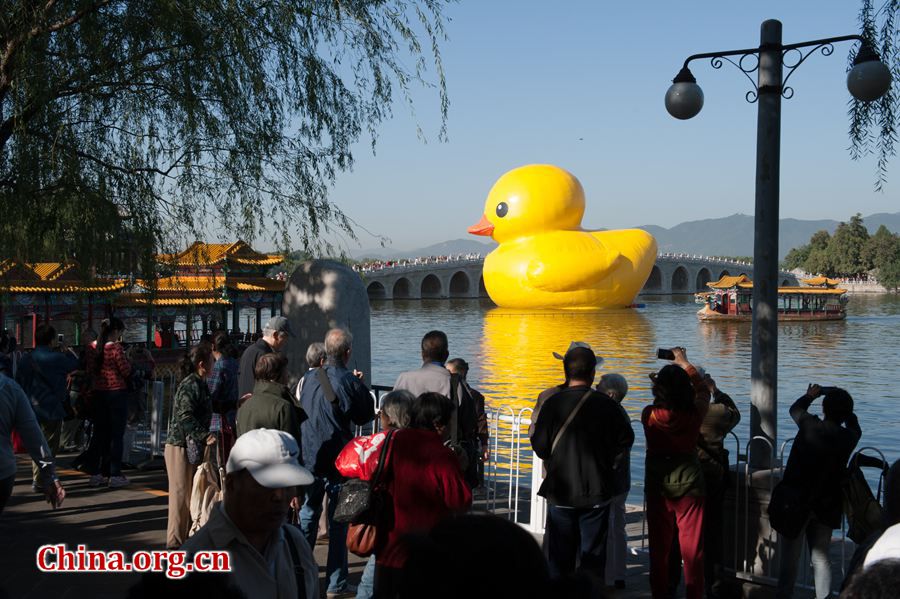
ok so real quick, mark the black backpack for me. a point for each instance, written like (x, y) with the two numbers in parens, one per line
(864, 513)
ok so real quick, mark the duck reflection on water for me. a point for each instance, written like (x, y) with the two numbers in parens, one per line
(518, 345)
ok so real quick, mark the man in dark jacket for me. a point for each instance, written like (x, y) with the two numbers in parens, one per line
(580, 478)
(42, 374)
(334, 399)
(274, 337)
(814, 472)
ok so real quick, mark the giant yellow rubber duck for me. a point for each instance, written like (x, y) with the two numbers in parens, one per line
(545, 259)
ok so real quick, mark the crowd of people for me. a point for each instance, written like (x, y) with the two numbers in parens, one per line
(66, 391)
(294, 451)
(401, 496)
(373, 265)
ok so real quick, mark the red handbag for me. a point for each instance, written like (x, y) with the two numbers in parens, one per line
(362, 534)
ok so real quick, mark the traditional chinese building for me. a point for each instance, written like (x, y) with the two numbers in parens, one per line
(31, 293)
(204, 283)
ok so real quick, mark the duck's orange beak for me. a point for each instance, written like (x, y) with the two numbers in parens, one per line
(484, 227)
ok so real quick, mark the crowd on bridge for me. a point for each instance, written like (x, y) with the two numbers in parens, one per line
(376, 265)
(402, 496)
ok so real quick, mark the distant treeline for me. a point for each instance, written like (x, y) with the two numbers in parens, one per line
(850, 252)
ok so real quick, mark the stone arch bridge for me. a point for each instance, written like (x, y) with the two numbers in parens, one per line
(672, 274)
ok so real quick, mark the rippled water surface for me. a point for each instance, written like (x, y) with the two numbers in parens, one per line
(511, 362)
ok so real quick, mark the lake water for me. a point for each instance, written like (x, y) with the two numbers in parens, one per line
(509, 353)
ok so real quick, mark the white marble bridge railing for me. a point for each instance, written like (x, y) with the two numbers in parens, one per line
(673, 273)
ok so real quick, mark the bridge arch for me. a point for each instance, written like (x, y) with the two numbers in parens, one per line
(680, 280)
(654, 281)
(431, 286)
(402, 289)
(376, 290)
(460, 284)
(786, 283)
(724, 273)
(482, 290)
(703, 277)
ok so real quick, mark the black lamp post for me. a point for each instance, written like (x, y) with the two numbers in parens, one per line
(868, 80)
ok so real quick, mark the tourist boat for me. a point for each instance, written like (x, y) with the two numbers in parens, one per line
(731, 299)
(701, 297)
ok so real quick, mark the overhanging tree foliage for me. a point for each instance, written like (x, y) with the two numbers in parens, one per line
(147, 121)
(873, 125)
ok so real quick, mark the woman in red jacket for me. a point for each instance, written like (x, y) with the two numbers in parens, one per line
(673, 478)
(110, 370)
(423, 483)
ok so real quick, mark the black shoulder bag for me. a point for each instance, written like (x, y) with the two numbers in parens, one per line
(357, 498)
(327, 389)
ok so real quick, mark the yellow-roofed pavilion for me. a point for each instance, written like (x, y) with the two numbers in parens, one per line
(207, 280)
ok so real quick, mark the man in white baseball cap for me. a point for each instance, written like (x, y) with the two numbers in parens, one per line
(269, 558)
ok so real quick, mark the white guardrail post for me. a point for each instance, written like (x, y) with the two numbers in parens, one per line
(538, 521)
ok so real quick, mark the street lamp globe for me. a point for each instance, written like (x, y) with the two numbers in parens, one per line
(684, 99)
(869, 79)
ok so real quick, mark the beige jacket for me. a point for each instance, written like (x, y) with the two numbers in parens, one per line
(269, 576)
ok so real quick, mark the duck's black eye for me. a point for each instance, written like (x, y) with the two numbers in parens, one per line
(502, 209)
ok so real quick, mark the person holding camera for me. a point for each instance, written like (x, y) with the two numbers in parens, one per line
(807, 501)
(674, 482)
(720, 420)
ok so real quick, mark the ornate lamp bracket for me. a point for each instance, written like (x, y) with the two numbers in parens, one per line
(792, 56)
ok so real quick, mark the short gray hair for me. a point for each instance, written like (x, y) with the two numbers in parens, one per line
(337, 343)
(397, 406)
(615, 382)
(315, 353)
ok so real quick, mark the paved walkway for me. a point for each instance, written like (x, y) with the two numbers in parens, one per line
(128, 519)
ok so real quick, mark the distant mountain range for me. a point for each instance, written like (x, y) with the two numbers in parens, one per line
(733, 235)
(728, 236)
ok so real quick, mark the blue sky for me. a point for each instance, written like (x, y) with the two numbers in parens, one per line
(580, 84)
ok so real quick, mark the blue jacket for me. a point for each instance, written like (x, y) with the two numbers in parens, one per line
(329, 426)
(42, 375)
(16, 414)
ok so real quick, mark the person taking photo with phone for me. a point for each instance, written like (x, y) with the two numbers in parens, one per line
(807, 501)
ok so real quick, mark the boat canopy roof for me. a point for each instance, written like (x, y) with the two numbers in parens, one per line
(728, 281)
(744, 282)
(821, 282)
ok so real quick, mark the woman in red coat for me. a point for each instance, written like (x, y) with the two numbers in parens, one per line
(423, 483)
(673, 478)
